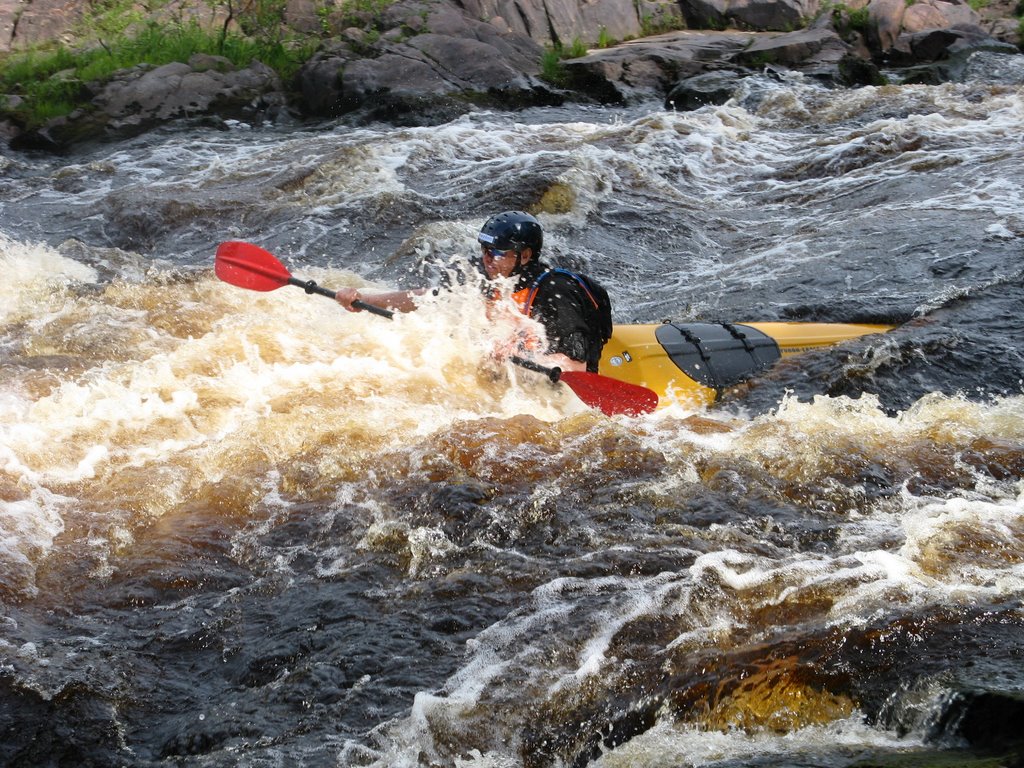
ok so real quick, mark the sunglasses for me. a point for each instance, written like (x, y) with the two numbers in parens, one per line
(494, 253)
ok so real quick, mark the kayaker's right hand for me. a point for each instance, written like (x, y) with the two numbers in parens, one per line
(346, 296)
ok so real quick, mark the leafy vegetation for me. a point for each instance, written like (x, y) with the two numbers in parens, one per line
(860, 19)
(651, 24)
(54, 80)
(846, 18)
(356, 13)
(551, 68)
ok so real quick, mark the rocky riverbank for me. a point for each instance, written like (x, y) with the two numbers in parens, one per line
(425, 61)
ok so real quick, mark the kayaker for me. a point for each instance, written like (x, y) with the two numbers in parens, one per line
(574, 309)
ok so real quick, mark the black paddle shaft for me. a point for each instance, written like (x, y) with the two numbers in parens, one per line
(310, 286)
(552, 373)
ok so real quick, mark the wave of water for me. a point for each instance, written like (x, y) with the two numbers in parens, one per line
(252, 529)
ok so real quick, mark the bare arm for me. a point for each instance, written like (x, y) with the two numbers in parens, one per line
(399, 301)
(564, 362)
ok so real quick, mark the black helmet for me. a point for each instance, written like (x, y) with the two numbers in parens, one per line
(512, 230)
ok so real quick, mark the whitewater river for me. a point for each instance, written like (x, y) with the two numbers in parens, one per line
(251, 529)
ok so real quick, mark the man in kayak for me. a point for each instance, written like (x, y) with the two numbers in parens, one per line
(574, 309)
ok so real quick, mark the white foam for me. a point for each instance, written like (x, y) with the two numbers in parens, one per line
(34, 278)
(670, 745)
(28, 528)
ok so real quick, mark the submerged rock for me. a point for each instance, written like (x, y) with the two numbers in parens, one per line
(709, 88)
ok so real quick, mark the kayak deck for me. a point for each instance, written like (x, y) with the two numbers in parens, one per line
(693, 362)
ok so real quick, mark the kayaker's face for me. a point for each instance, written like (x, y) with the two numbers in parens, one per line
(501, 263)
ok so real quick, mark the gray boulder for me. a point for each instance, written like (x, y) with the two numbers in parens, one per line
(764, 15)
(885, 22)
(142, 97)
(662, 64)
(636, 70)
(991, 67)
(562, 21)
(941, 55)
(808, 50)
(429, 76)
(206, 84)
(937, 14)
(950, 43)
(25, 24)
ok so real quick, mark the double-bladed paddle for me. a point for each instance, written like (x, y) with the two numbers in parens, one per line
(249, 266)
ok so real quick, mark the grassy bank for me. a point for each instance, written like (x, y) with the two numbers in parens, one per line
(46, 82)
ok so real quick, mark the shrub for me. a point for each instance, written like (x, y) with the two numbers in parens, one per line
(53, 82)
(859, 19)
(551, 68)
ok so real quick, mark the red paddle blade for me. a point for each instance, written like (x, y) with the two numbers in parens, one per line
(609, 395)
(249, 266)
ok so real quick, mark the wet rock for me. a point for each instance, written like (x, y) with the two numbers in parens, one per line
(930, 45)
(991, 67)
(78, 725)
(320, 83)
(948, 50)
(855, 71)
(989, 719)
(817, 678)
(709, 88)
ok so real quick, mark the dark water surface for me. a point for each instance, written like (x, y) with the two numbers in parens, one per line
(251, 529)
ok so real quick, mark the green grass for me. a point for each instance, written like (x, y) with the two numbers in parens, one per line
(551, 68)
(52, 82)
(660, 24)
(577, 49)
(860, 19)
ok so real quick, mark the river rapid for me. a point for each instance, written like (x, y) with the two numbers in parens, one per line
(251, 529)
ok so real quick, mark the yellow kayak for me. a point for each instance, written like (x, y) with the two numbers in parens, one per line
(693, 362)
